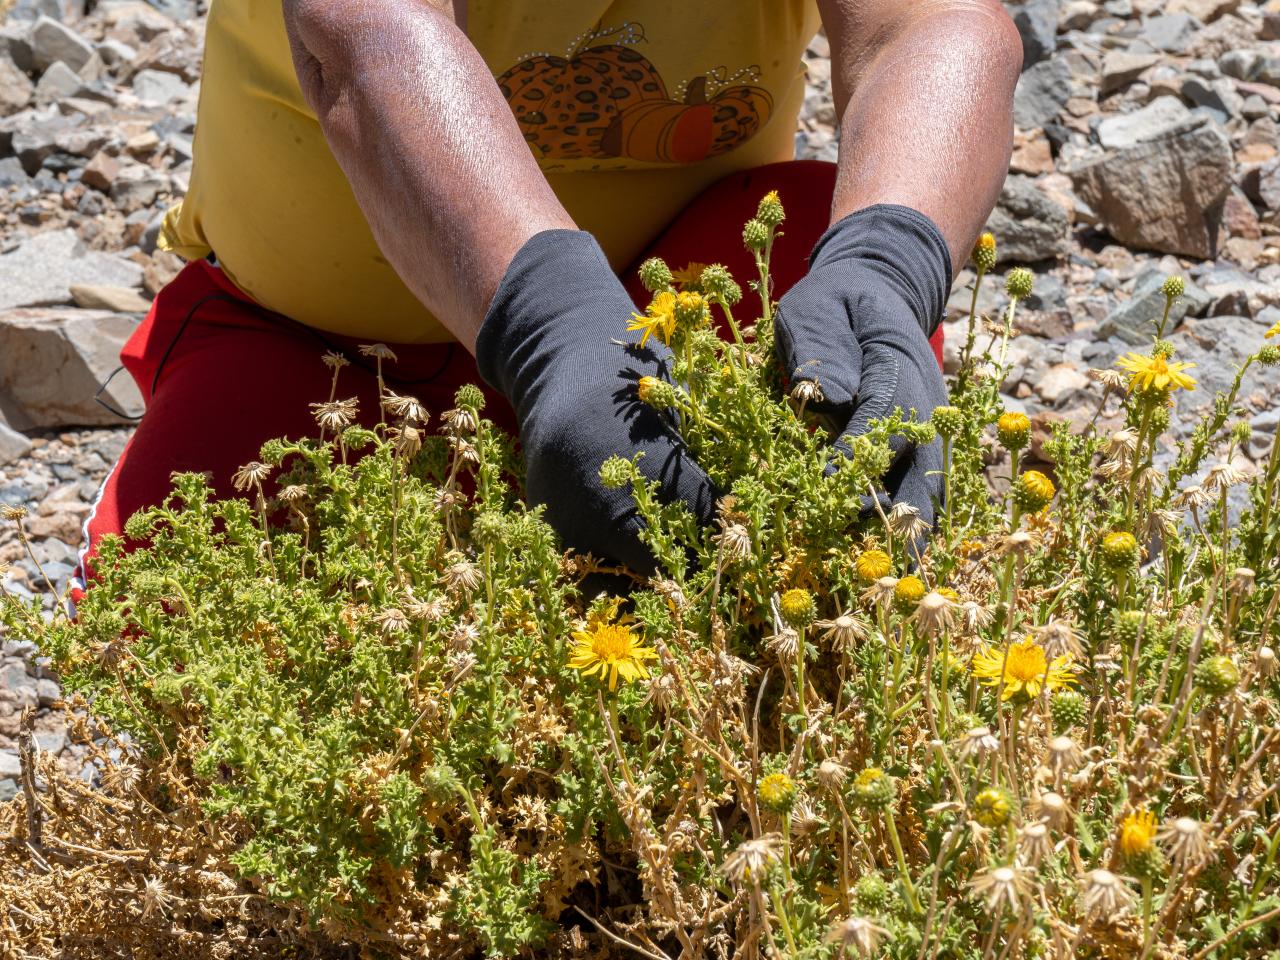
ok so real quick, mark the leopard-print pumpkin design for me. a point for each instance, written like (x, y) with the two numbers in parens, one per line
(564, 105)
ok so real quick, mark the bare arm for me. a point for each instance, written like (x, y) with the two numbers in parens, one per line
(924, 91)
(424, 136)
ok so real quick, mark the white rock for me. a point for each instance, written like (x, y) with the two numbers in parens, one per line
(1153, 120)
(51, 41)
(41, 271)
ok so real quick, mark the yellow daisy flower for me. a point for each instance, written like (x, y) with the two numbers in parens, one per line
(1156, 374)
(658, 319)
(609, 648)
(1024, 668)
(1137, 833)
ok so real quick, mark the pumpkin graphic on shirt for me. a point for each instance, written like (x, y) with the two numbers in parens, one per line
(609, 101)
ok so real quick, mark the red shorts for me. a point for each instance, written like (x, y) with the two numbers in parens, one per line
(220, 375)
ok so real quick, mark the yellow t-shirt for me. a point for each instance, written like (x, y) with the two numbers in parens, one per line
(632, 108)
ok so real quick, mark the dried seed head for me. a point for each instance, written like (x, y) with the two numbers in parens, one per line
(1104, 895)
(832, 775)
(753, 858)
(1003, 887)
(978, 742)
(1185, 842)
(844, 632)
(857, 935)
(1065, 756)
(1034, 843)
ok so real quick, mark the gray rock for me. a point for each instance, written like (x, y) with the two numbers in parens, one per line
(1237, 293)
(1218, 346)
(11, 172)
(1121, 67)
(1268, 71)
(1205, 11)
(159, 87)
(1152, 121)
(34, 136)
(10, 765)
(1078, 15)
(47, 690)
(1169, 33)
(15, 87)
(16, 42)
(12, 444)
(1134, 321)
(52, 41)
(1163, 194)
(52, 362)
(137, 186)
(1029, 225)
(8, 789)
(58, 83)
(1219, 97)
(1268, 185)
(176, 9)
(1043, 90)
(1037, 22)
(116, 53)
(41, 271)
(1241, 64)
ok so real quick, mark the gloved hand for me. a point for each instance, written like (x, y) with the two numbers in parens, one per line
(549, 345)
(858, 326)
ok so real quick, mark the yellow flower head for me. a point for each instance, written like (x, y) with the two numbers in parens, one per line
(1034, 490)
(1155, 374)
(609, 647)
(658, 319)
(1137, 833)
(1274, 331)
(1024, 669)
(797, 607)
(909, 591)
(777, 792)
(1013, 429)
(871, 565)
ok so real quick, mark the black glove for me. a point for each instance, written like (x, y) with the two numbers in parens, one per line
(548, 344)
(858, 326)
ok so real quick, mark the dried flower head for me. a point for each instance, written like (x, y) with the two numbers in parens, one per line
(751, 861)
(978, 742)
(1104, 895)
(934, 614)
(857, 935)
(1185, 842)
(1002, 887)
(844, 632)
(1034, 843)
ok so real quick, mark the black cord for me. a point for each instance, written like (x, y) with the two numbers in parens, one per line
(280, 320)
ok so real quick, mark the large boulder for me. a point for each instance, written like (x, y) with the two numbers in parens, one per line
(1043, 90)
(1164, 193)
(42, 270)
(52, 363)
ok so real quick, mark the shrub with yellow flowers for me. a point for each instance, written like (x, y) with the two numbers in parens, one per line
(373, 708)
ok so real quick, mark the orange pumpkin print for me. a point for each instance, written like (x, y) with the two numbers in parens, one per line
(667, 131)
(564, 105)
(609, 101)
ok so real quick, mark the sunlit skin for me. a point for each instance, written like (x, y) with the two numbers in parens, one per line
(924, 90)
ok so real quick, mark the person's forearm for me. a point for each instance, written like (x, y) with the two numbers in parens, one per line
(926, 106)
(458, 170)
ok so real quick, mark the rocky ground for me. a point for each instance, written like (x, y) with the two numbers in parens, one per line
(1146, 145)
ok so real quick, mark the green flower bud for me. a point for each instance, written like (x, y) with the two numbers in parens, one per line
(874, 788)
(655, 275)
(755, 235)
(691, 310)
(1269, 355)
(441, 784)
(1126, 625)
(871, 893)
(1241, 432)
(1217, 676)
(992, 807)
(1068, 708)
(770, 212)
(657, 393)
(717, 283)
(1160, 419)
(1163, 348)
(489, 529)
(1120, 549)
(1173, 287)
(948, 421)
(984, 252)
(1018, 282)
